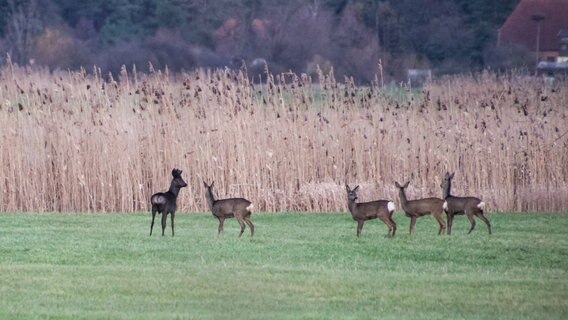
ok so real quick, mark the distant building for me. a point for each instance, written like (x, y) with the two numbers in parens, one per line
(541, 26)
(563, 52)
(417, 77)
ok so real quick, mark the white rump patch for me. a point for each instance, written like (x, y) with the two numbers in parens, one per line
(390, 206)
(481, 205)
(250, 207)
(445, 206)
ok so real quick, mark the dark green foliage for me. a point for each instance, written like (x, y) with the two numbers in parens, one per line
(483, 17)
(445, 35)
(4, 16)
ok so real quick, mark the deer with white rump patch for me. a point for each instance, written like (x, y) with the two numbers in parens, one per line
(421, 207)
(165, 202)
(222, 209)
(470, 206)
(364, 211)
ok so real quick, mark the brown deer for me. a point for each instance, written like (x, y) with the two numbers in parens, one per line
(470, 206)
(222, 209)
(165, 202)
(418, 208)
(364, 211)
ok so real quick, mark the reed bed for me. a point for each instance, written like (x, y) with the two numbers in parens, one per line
(83, 141)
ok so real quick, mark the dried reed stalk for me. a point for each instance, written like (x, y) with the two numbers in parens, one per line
(73, 141)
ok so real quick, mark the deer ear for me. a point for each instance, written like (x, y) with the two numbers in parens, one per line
(397, 184)
(452, 175)
(406, 184)
(347, 188)
(212, 183)
(205, 184)
(355, 189)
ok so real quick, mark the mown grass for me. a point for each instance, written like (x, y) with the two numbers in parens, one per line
(299, 266)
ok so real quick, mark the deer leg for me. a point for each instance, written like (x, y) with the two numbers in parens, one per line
(242, 223)
(172, 217)
(441, 222)
(164, 217)
(251, 226)
(393, 225)
(481, 216)
(471, 221)
(360, 224)
(387, 221)
(220, 229)
(450, 217)
(153, 217)
(412, 223)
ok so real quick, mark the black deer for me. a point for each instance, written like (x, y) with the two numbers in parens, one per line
(165, 202)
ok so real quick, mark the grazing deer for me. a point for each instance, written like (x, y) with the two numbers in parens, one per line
(421, 207)
(364, 211)
(469, 206)
(222, 209)
(165, 202)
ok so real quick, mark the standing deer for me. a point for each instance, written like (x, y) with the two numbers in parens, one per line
(469, 206)
(364, 211)
(417, 208)
(165, 202)
(222, 209)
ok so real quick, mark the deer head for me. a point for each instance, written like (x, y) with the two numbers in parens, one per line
(401, 187)
(178, 180)
(351, 194)
(209, 187)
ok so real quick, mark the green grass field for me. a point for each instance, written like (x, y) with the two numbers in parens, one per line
(299, 266)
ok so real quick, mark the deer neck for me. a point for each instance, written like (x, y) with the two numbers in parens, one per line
(403, 200)
(446, 191)
(174, 190)
(210, 199)
(352, 205)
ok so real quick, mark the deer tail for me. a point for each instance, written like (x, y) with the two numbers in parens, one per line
(390, 206)
(481, 205)
(250, 208)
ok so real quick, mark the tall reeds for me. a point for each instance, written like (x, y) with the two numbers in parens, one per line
(78, 141)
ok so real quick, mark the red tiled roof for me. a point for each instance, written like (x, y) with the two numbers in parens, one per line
(520, 28)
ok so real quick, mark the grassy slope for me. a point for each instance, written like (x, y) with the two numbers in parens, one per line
(70, 266)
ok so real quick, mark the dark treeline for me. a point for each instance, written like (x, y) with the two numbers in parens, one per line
(447, 36)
